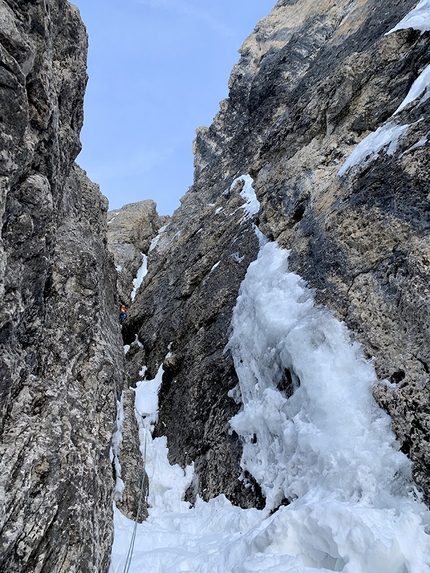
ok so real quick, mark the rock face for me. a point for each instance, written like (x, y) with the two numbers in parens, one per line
(314, 80)
(130, 231)
(60, 348)
(318, 84)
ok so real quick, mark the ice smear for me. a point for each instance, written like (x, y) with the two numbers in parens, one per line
(141, 274)
(420, 143)
(368, 149)
(252, 205)
(420, 85)
(155, 240)
(116, 444)
(312, 432)
(418, 18)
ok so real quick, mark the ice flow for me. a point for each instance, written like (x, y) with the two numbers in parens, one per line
(314, 434)
(339, 492)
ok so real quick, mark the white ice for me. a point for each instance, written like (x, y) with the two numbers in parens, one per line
(418, 18)
(155, 240)
(420, 143)
(386, 136)
(418, 88)
(251, 205)
(141, 274)
(325, 445)
(116, 444)
(328, 447)
(146, 394)
(167, 483)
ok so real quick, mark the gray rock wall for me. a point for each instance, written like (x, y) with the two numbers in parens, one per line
(313, 80)
(60, 347)
(130, 231)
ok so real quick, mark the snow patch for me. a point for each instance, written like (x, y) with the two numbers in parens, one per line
(113, 218)
(420, 85)
(368, 149)
(155, 240)
(141, 274)
(418, 18)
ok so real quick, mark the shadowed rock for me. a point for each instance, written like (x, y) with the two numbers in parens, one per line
(60, 347)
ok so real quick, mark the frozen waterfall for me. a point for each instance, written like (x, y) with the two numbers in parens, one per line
(312, 434)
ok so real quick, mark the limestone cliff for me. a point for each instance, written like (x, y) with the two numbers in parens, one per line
(130, 231)
(60, 348)
(318, 84)
(314, 80)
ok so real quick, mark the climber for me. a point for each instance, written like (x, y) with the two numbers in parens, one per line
(123, 313)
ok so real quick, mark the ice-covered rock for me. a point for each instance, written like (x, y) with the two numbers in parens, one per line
(317, 87)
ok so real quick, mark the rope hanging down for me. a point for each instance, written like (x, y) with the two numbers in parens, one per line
(139, 506)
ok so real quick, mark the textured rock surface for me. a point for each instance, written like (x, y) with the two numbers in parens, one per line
(131, 460)
(314, 79)
(60, 349)
(185, 308)
(130, 231)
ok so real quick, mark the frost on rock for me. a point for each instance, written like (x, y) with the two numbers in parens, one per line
(368, 149)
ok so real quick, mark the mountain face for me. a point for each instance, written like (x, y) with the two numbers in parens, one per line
(317, 124)
(61, 353)
(341, 174)
(130, 232)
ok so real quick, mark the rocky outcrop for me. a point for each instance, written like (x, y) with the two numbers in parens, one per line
(129, 498)
(314, 80)
(183, 310)
(60, 351)
(130, 231)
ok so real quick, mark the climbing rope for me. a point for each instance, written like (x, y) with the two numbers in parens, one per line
(139, 506)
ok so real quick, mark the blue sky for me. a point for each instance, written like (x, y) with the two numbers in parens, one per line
(158, 70)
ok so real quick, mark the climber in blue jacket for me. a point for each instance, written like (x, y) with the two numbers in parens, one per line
(123, 313)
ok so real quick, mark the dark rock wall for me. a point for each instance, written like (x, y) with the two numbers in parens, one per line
(60, 347)
(183, 309)
(313, 80)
